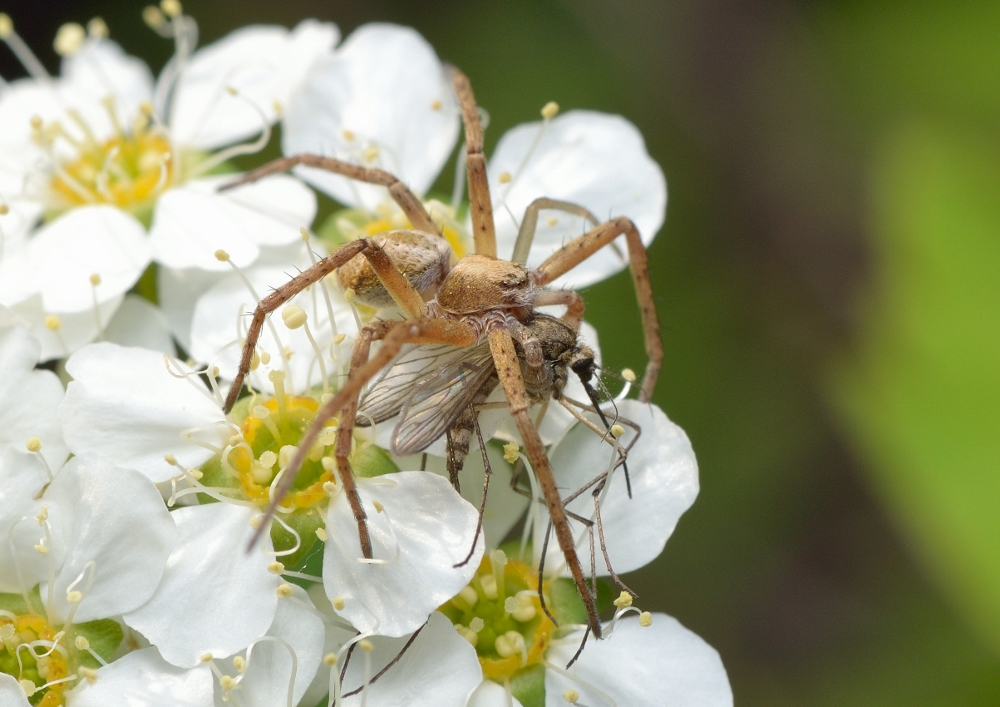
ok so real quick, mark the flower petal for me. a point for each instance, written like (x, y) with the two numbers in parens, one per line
(30, 397)
(215, 597)
(117, 521)
(263, 63)
(143, 679)
(195, 220)
(22, 476)
(383, 89)
(75, 329)
(440, 669)
(269, 666)
(124, 405)
(223, 312)
(101, 69)
(63, 255)
(11, 693)
(596, 160)
(423, 531)
(140, 323)
(490, 694)
(664, 476)
(662, 664)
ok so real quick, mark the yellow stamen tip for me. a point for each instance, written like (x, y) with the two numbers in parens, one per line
(34, 444)
(95, 279)
(510, 452)
(53, 322)
(505, 177)
(171, 8)
(98, 28)
(285, 591)
(617, 431)
(628, 374)
(330, 660)
(549, 110)
(69, 39)
(624, 600)
(338, 603)
(294, 316)
(571, 696)
(6, 25)
(436, 104)
(366, 645)
(645, 619)
(4, 209)
(222, 256)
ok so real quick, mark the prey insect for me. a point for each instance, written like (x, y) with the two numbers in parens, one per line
(477, 302)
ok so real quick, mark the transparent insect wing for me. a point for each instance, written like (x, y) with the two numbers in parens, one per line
(438, 400)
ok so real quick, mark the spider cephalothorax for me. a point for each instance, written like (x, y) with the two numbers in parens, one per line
(480, 305)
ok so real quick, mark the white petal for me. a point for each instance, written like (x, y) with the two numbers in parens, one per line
(336, 636)
(138, 322)
(16, 224)
(222, 314)
(263, 63)
(664, 475)
(195, 220)
(63, 255)
(425, 529)
(269, 664)
(490, 694)
(30, 397)
(124, 405)
(178, 290)
(143, 679)
(504, 506)
(215, 596)
(384, 88)
(439, 669)
(11, 694)
(596, 160)
(22, 477)
(118, 522)
(662, 664)
(101, 69)
(76, 329)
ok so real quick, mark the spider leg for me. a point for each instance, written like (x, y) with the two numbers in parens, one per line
(364, 366)
(480, 205)
(573, 300)
(581, 248)
(526, 234)
(487, 473)
(509, 371)
(400, 193)
(406, 297)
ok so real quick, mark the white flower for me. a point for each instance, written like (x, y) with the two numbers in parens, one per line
(91, 151)
(383, 99)
(124, 404)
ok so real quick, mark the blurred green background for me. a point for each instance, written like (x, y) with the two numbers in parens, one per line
(829, 284)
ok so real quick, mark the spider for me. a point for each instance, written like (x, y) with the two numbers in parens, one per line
(478, 299)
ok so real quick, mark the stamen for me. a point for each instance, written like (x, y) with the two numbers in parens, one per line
(249, 148)
(32, 65)
(645, 619)
(549, 111)
(69, 39)
(571, 696)
(97, 28)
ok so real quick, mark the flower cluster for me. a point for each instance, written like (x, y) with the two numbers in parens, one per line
(131, 499)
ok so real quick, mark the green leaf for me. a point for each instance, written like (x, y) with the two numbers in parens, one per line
(922, 395)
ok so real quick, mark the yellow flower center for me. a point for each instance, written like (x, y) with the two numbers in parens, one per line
(500, 614)
(40, 668)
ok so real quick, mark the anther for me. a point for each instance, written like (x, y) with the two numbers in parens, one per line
(623, 601)
(6, 25)
(53, 322)
(489, 584)
(170, 459)
(98, 28)
(232, 91)
(477, 624)
(348, 136)
(74, 597)
(69, 39)
(268, 459)
(206, 658)
(339, 338)
(468, 634)
(4, 209)
(239, 662)
(286, 454)
(571, 696)
(41, 549)
(645, 619)
(378, 506)
(276, 567)
(33, 444)
(88, 674)
(95, 279)
(617, 430)
(366, 645)
(265, 358)
(549, 110)
(628, 374)
(28, 687)
(293, 316)
(222, 256)
(505, 177)
(329, 488)
(330, 660)
(370, 154)
(171, 8)
(510, 452)
(350, 294)
(436, 104)
(82, 643)
(322, 534)
(152, 16)
(338, 603)
(551, 221)
(227, 683)
(285, 591)
(469, 595)
(509, 644)
(304, 233)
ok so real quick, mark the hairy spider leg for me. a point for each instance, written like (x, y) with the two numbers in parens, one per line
(480, 204)
(400, 193)
(526, 233)
(581, 248)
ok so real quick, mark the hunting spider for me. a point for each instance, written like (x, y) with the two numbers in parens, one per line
(477, 300)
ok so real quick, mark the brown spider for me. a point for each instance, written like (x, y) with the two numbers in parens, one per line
(478, 298)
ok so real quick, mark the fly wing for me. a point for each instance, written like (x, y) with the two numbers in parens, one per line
(439, 399)
(400, 381)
